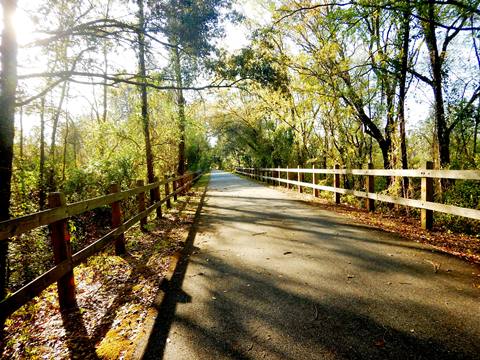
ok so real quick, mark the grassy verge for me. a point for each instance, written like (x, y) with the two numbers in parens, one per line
(114, 294)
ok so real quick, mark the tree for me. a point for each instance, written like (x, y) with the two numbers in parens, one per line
(8, 87)
(143, 93)
(438, 38)
(191, 28)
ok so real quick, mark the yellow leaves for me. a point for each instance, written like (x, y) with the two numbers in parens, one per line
(112, 345)
(329, 51)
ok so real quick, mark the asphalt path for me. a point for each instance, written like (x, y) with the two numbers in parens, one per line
(267, 276)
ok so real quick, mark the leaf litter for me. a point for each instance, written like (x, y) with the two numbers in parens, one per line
(113, 296)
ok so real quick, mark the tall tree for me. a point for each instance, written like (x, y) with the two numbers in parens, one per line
(42, 192)
(438, 37)
(402, 88)
(142, 74)
(8, 87)
(191, 28)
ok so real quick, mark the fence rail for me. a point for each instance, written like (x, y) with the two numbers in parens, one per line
(426, 203)
(56, 218)
(418, 173)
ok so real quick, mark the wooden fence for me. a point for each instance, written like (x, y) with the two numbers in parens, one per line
(56, 217)
(426, 203)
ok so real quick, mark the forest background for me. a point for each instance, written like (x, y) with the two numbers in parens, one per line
(102, 91)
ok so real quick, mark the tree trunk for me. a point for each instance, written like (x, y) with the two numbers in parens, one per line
(442, 134)
(386, 148)
(75, 139)
(403, 93)
(8, 87)
(51, 186)
(105, 71)
(144, 97)
(105, 84)
(181, 111)
(65, 143)
(475, 131)
(21, 134)
(20, 158)
(41, 176)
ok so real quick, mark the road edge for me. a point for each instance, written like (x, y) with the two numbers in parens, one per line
(154, 310)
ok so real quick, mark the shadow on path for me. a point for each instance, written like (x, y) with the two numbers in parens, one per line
(174, 293)
(265, 284)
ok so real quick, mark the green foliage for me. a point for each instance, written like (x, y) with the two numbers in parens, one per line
(466, 194)
(193, 24)
(254, 65)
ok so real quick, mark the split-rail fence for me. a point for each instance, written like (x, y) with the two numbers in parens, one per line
(426, 203)
(56, 217)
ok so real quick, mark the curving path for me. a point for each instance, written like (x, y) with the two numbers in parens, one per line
(269, 277)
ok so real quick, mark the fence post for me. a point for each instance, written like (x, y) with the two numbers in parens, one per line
(427, 195)
(117, 221)
(288, 178)
(167, 192)
(156, 191)
(279, 176)
(315, 182)
(62, 250)
(370, 185)
(174, 188)
(141, 204)
(299, 178)
(336, 184)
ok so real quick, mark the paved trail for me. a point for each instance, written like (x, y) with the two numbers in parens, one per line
(270, 277)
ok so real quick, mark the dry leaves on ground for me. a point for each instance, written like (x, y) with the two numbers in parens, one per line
(113, 295)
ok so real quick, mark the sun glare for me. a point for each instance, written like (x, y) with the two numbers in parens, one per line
(24, 27)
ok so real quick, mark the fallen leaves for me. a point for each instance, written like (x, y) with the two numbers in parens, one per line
(259, 233)
(113, 295)
(436, 266)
